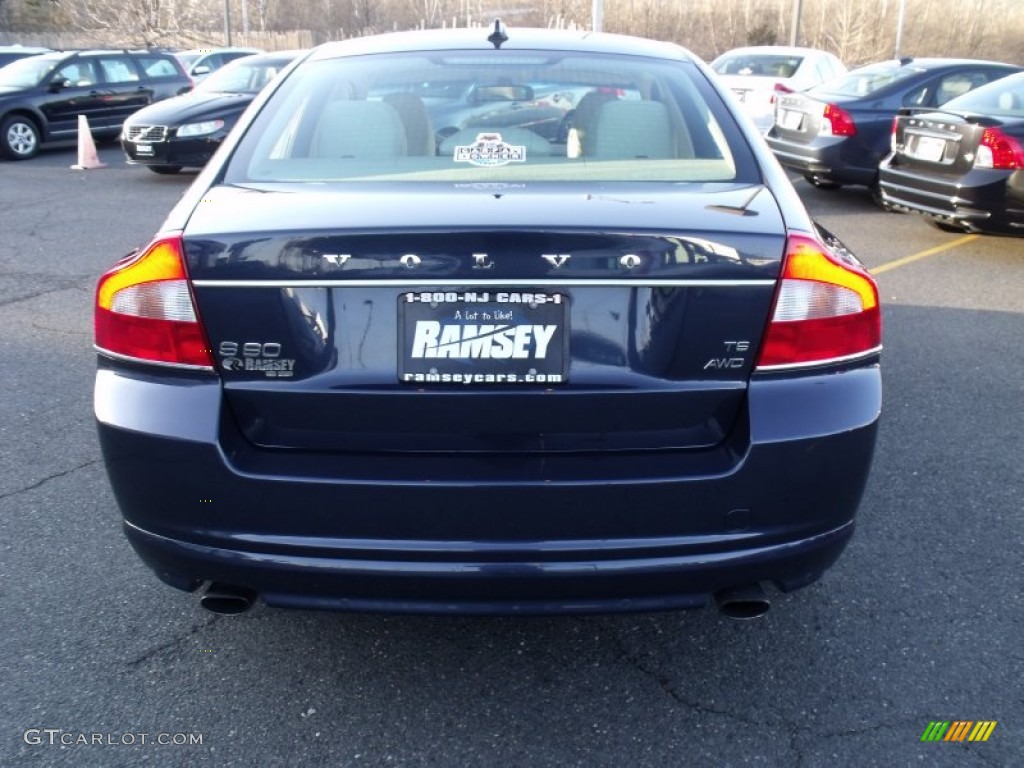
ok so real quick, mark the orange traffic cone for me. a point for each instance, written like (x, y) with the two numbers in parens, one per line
(87, 157)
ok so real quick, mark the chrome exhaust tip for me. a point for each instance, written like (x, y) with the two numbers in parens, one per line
(745, 602)
(227, 599)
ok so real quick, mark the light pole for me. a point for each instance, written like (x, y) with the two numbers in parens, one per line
(899, 27)
(794, 27)
(597, 14)
(227, 20)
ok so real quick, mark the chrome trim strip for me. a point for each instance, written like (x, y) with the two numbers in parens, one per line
(143, 361)
(818, 363)
(933, 133)
(510, 284)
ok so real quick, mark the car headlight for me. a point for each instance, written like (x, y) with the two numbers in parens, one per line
(200, 129)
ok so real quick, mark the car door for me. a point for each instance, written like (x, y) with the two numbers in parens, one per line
(72, 90)
(123, 90)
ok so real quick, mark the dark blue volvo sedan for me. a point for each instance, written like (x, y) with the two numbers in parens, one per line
(366, 365)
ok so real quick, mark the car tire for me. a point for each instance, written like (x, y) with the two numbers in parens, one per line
(879, 199)
(19, 137)
(166, 170)
(945, 226)
(820, 183)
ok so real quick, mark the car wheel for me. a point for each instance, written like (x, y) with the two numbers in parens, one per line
(879, 199)
(945, 226)
(164, 169)
(19, 138)
(820, 183)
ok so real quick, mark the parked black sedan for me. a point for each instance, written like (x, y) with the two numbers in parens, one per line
(358, 370)
(962, 166)
(838, 132)
(186, 131)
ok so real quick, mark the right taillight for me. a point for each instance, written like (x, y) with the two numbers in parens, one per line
(826, 310)
(836, 121)
(999, 151)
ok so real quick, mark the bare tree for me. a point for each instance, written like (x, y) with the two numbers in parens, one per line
(857, 30)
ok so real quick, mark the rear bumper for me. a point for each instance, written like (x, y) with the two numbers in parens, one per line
(438, 534)
(831, 158)
(462, 584)
(982, 200)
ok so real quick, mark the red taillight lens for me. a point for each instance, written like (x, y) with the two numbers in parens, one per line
(144, 309)
(780, 89)
(999, 151)
(837, 121)
(826, 310)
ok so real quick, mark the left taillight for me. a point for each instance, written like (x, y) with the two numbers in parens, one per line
(826, 309)
(145, 311)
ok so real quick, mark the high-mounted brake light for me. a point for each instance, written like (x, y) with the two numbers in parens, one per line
(144, 310)
(837, 122)
(999, 151)
(826, 310)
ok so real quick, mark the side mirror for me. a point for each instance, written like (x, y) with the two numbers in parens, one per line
(202, 69)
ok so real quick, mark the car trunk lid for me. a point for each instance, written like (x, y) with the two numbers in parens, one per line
(537, 322)
(941, 142)
(797, 116)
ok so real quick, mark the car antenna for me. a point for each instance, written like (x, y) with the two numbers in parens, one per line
(499, 35)
(743, 209)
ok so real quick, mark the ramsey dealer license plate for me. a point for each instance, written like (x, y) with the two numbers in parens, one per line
(483, 337)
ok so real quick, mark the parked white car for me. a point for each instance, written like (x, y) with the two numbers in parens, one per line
(200, 62)
(757, 73)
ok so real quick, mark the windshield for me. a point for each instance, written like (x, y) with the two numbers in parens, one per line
(867, 80)
(241, 76)
(187, 59)
(25, 73)
(507, 117)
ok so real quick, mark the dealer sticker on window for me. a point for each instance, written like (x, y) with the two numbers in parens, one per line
(483, 337)
(489, 150)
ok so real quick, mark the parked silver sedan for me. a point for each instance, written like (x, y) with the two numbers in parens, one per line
(757, 74)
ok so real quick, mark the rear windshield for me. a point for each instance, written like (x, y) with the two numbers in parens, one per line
(867, 80)
(1002, 98)
(493, 116)
(758, 65)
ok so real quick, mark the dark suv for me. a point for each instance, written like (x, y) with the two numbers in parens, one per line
(42, 96)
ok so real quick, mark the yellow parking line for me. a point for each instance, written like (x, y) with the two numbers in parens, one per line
(924, 254)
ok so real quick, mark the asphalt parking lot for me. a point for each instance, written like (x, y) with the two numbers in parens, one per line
(921, 620)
